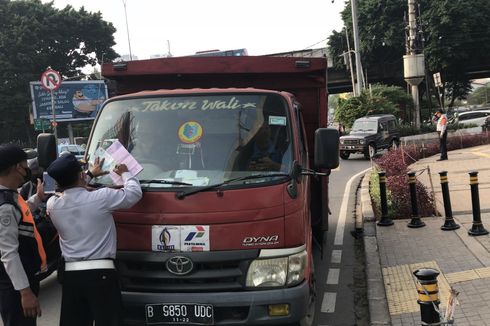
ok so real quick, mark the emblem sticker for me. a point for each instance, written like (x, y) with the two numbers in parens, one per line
(190, 132)
(5, 220)
(195, 238)
(180, 238)
(165, 238)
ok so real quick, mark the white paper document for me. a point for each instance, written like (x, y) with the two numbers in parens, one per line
(117, 154)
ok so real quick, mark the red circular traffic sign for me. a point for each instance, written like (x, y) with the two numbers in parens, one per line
(51, 80)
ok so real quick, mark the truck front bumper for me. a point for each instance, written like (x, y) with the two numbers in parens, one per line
(230, 308)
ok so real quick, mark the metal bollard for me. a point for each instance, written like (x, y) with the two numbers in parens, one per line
(449, 223)
(385, 220)
(477, 228)
(428, 291)
(416, 222)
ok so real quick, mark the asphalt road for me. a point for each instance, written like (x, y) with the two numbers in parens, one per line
(341, 289)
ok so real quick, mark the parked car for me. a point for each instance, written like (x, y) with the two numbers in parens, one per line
(76, 150)
(472, 117)
(370, 134)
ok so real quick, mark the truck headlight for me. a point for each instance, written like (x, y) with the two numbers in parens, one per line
(276, 272)
(362, 141)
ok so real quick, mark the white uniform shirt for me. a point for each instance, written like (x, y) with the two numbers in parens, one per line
(442, 123)
(9, 241)
(84, 219)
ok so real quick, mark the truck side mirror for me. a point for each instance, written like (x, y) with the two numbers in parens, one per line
(326, 148)
(46, 149)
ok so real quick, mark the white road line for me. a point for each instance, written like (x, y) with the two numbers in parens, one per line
(328, 303)
(333, 276)
(336, 256)
(339, 232)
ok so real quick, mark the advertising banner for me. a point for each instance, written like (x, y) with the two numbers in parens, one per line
(73, 100)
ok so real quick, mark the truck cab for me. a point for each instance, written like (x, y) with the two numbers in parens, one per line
(235, 196)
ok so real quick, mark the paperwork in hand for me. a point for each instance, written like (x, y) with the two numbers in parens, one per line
(117, 154)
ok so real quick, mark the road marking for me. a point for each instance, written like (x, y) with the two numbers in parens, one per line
(336, 256)
(328, 303)
(339, 232)
(333, 276)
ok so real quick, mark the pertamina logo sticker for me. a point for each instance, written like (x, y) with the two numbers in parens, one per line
(195, 238)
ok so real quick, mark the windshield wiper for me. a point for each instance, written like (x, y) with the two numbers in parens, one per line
(166, 182)
(183, 194)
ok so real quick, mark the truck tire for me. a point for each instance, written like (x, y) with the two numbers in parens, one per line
(310, 314)
(370, 151)
(344, 155)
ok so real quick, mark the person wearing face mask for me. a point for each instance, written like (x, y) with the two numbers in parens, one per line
(21, 247)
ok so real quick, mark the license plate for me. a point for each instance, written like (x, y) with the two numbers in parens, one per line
(179, 313)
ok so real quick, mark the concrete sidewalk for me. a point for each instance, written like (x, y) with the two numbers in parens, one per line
(394, 252)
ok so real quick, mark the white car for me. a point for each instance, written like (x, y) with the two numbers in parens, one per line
(76, 150)
(472, 117)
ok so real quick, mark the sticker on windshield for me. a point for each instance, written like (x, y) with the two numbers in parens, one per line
(190, 132)
(275, 120)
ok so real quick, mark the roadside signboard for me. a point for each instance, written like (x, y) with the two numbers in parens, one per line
(73, 100)
(51, 80)
(41, 124)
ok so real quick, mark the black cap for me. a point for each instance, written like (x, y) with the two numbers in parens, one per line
(65, 170)
(10, 155)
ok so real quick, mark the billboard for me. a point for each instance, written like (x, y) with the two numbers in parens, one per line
(73, 100)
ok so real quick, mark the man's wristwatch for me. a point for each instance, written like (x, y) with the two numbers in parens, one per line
(89, 174)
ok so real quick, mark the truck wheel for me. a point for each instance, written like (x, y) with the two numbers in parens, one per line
(344, 155)
(370, 151)
(310, 313)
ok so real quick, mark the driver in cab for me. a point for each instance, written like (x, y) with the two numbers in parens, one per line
(265, 156)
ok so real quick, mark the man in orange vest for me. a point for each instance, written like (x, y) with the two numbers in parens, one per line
(21, 248)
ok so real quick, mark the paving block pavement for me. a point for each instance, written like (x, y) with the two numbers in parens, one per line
(463, 260)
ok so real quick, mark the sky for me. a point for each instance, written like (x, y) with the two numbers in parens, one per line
(260, 26)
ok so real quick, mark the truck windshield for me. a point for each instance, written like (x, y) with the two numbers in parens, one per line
(202, 140)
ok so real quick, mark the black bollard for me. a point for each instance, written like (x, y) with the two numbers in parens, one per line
(428, 295)
(477, 228)
(416, 222)
(385, 220)
(449, 223)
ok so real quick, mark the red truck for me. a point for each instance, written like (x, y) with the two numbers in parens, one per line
(225, 231)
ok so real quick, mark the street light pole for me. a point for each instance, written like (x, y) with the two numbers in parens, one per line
(127, 30)
(355, 32)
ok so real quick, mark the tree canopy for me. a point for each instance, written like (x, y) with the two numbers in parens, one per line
(380, 99)
(34, 36)
(454, 34)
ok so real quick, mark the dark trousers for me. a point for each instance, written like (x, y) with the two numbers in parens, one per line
(443, 145)
(11, 307)
(91, 295)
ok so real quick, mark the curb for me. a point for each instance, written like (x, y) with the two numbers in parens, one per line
(376, 294)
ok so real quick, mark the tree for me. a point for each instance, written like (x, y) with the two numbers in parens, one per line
(34, 36)
(381, 99)
(456, 35)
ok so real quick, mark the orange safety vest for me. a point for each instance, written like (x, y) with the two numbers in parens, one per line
(27, 227)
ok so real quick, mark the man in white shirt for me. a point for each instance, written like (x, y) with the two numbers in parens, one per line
(87, 233)
(442, 130)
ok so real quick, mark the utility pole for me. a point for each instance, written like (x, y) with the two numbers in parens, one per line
(355, 32)
(413, 62)
(127, 30)
(350, 65)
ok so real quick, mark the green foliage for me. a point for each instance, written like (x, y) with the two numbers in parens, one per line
(381, 99)
(35, 35)
(456, 36)
(481, 95)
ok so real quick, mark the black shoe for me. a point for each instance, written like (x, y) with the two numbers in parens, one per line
(442, 159)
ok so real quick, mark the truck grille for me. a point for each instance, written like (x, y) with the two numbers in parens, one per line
(351, 141)
(213, 271)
